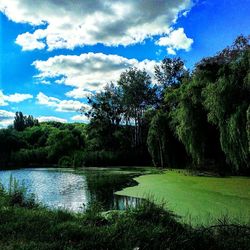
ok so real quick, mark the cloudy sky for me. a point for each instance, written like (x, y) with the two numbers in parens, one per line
(55, 53)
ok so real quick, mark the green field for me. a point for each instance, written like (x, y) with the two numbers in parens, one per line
(198, 200)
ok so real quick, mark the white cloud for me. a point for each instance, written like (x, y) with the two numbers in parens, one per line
(6, 118)
(31, 41)
(80, 118)
(176, 40)
(87, 72)
(67, 24)
(45, 82)
(79, 93)
(60, 105)
(2, 99)
(51, 118)
(17, 97)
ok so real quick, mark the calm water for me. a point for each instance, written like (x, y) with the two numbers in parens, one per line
(73, 190)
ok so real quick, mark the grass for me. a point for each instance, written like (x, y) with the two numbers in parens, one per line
(148, 226)
(198, 200)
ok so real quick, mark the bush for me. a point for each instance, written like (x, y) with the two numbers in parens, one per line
(65, 162)
(78, 159)
(18, 195)
(114, 158)
(30, 156)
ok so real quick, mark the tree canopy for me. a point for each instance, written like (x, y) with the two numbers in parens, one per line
(198, 119)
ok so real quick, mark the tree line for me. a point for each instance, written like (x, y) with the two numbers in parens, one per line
(198, 119)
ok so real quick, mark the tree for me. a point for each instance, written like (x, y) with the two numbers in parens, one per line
(10, 141)
(21, 122)
(188, 120)
(164, 148)
(61, 143)
(105, 115)
(227, 102)
(106, 105)
(138, 95)
(169, 73)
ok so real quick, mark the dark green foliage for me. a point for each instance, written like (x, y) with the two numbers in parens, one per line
(106, 105)
(61, 143)
(164, 148)
(113, 158)
(21, 122)
(10, 141)
(28, 157)
(188, 120)
(117, 125)
(65, 162)
(169, 74)
(207, 111)
(17, 195)
(138, 95)
(43, 144)
(146, 227)
(227, 102)
(200, 119)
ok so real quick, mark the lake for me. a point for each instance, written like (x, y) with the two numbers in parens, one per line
(74, 189)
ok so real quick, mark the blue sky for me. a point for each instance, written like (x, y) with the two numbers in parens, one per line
(56, 53)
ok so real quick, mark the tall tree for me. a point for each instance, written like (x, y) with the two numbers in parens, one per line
(19, 121)
(227, 101)
(138, 95)
(164, 147)
(169, 73)
(105, 115)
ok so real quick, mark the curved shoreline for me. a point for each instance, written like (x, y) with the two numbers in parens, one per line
(198, 200)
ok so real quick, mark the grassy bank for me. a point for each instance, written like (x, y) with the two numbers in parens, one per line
(197, 199)
(146, 227)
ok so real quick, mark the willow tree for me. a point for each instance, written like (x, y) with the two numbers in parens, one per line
(227, 101)
(163, 146)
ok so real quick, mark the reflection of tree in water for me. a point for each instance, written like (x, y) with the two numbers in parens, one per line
(103, 185)
(122, 202)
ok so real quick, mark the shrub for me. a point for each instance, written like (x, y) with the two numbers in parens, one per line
(18, 195)
(65, 162)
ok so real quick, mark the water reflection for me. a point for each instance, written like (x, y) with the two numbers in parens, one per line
(125, 202)
(71, 190)
(53, 188)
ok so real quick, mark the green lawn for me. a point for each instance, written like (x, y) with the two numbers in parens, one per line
(199, 200)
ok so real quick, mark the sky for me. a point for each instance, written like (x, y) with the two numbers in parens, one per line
(56, 53)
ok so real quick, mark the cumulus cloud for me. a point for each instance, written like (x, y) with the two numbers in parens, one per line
(67, 24)
(60, 105)
(79, 93)
(80, 118)
(6, 118)
(87, 72)
(2, 101)
(31, 41)
(17, 97)
(51, 118)
(176, 40)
